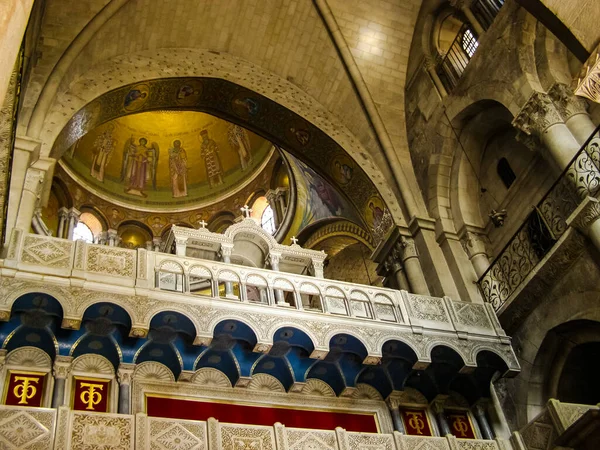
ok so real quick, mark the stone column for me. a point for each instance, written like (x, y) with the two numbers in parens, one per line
(573, 111)
(412, 265)
(272, 199)
(474, 245)
(430, 66)
(465, 7)
(279, 297)
(317, 269)
(63, 217)
(396, 418)
(74, 215)
(586, 220)
(32, 190)
(124, 375)
(103, 238)
(281, 200)
(539, 118)
(113, 237)
(440, 416)
(226, 250)
(156, 242)
(396, 270)
(484, 426)
(61, 370)
(25, 151)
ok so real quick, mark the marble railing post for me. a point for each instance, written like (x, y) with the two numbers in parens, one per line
(61, 370)
(540, 119)
(573, 111)
(124, 375)
(73, 220)
(226, 250)
(279, 297)
(474, 245)
(412, 265)
(113, 237)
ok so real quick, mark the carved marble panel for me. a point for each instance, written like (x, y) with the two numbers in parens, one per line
(105, 260)
(155, 433)
(301, 439)
(370, 441)
(26, 428)
(246, 437)
(96, 431)
(47, 252)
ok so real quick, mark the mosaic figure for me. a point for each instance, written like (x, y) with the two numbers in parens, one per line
(139, 166)
(178, 169)
(209, 151)
(240, 142)
(101, 153)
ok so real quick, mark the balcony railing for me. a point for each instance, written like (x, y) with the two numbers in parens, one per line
(64, 429)
(485, 11)
(544, 226)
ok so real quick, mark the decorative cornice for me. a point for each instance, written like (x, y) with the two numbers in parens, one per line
(537, 115)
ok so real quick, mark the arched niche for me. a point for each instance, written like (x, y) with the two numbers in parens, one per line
(91, 367)
(30, 360)
(237, 105)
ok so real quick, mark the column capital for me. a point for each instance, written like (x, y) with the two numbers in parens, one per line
(537, 115)
(407, 248)
(34, 181)
(125, 373)
(474, 244)
(586, 214)
(530, 141)
(274, 259)
(74, 213)
(62, 366)
(226, 249)
(566, 102)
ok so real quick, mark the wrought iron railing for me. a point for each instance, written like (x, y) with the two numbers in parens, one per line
(544, 226)
(485, 11)
(458, 56)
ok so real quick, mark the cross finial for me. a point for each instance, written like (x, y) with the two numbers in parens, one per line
(202, 223)
(246, 211)
(294, 240)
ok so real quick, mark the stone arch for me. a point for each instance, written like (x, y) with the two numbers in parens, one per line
(62, 298)
(131, 68)
(158, 308)
(246, 320)
(296, 326)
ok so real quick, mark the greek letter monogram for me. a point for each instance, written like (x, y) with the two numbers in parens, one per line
(460, 425)
(25, 391)
(415, 421)
(91, 396)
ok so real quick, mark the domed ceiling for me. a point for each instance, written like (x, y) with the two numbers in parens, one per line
(167, 160)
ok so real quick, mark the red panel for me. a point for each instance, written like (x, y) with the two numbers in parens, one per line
(258, 415)
(460, 424)
(25, 389)
(91, 394)
(416, 422)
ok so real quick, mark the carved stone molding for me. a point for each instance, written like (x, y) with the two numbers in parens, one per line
(566, 102)
(125, 373)
(62, 366)
(537, 115)
(318, 388)
(407, 248)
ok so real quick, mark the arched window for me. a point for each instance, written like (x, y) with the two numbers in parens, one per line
(469, 42)
(83, 232)
(267, 221)
(505, 172)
